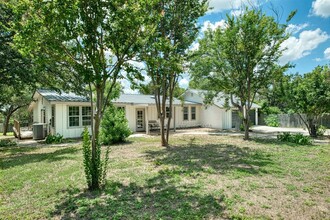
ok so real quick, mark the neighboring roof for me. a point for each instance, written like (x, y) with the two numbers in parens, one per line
(52, 95)
(220, 100)
(145, 99)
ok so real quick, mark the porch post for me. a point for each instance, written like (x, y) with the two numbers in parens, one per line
(256, 112)
(147, 120)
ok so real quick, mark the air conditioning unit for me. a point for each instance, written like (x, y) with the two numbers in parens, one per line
(39, 131)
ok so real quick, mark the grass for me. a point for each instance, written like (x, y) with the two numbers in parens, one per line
(8, 134)
(202, 177)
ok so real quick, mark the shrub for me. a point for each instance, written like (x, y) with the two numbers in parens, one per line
(7, 143)
(54, 139)
(114, 126)
(272, 120)
(294, 138)
(321, 130)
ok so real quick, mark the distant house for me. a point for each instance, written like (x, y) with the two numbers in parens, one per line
(68, 114)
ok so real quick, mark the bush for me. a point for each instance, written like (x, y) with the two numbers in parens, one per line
(114, 126)
(321, 130)
(272, 120)
(294, 138)
(54, 139)
(7, 143)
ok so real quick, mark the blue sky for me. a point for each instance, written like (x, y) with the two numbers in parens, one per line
(309, 43)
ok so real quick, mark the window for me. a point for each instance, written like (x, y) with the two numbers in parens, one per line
(185, 113)
(73, 116)
(121, 108)
(53, 117)
(193, 113)
(167, 112)
(86, 116)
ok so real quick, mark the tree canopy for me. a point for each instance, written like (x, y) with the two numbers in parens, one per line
(165, 52)
(240, 58)
(84, 44)
(311, 96)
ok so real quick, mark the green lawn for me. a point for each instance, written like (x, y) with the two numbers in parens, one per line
(209, 177)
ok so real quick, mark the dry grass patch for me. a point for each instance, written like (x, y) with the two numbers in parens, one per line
(209, 177)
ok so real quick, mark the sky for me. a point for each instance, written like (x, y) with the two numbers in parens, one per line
(309, 43)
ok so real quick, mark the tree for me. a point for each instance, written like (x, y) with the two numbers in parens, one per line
(17, 78)
(311, 97)
(148, 89)
(93, 41)
(166, 49)
(11, 101)
(240, 58)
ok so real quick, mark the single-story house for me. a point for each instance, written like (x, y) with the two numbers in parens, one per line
(68, 113)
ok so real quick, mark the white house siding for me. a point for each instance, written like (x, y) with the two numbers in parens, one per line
(226, 119)
(212, 117)
(62, 120)
(151, 114)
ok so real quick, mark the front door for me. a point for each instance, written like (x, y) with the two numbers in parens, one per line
(140, 122)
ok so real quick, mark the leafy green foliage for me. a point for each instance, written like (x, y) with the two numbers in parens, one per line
(165, 53)
(240, 59)
(294, 138)
(54, 139)
(311, 97)
(87, 153)
(7, 143)
(85, 44)
(272, 120)
(114, 126)
(321, 130)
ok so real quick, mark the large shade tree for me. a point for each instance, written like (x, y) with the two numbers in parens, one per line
(17, 77)
(310, 97)
(166, 51)
(240, 58)
(91, 42)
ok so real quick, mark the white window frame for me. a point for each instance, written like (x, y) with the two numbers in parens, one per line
(80, 116)
(183, 110)
(191, 113)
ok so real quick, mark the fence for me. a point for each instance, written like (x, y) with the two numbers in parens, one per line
(294, 120)
(10, 128)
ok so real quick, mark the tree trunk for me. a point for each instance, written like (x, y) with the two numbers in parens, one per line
(312, 128)
(246, 122)
(95, 163)
(6, 124)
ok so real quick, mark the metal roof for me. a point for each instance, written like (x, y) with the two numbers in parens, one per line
(146, 99)
(220, 99)
(52, 95)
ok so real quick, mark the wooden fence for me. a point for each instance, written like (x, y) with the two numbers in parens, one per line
(294, 121)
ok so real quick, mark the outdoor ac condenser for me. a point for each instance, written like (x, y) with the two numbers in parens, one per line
(38, 131)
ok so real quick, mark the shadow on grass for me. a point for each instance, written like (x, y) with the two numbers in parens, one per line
(20, 159)
(214, 158)
(159, 198)
(279, 143)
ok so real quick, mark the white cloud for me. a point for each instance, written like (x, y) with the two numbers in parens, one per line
(321, 8)
(183, 83)
(294, 29)
(222, 5)
(327, 53)
(194, 46)
(303, 45)
(213, 26)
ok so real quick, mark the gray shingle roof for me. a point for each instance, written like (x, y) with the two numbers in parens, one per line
(52, 95)
(145, 99)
